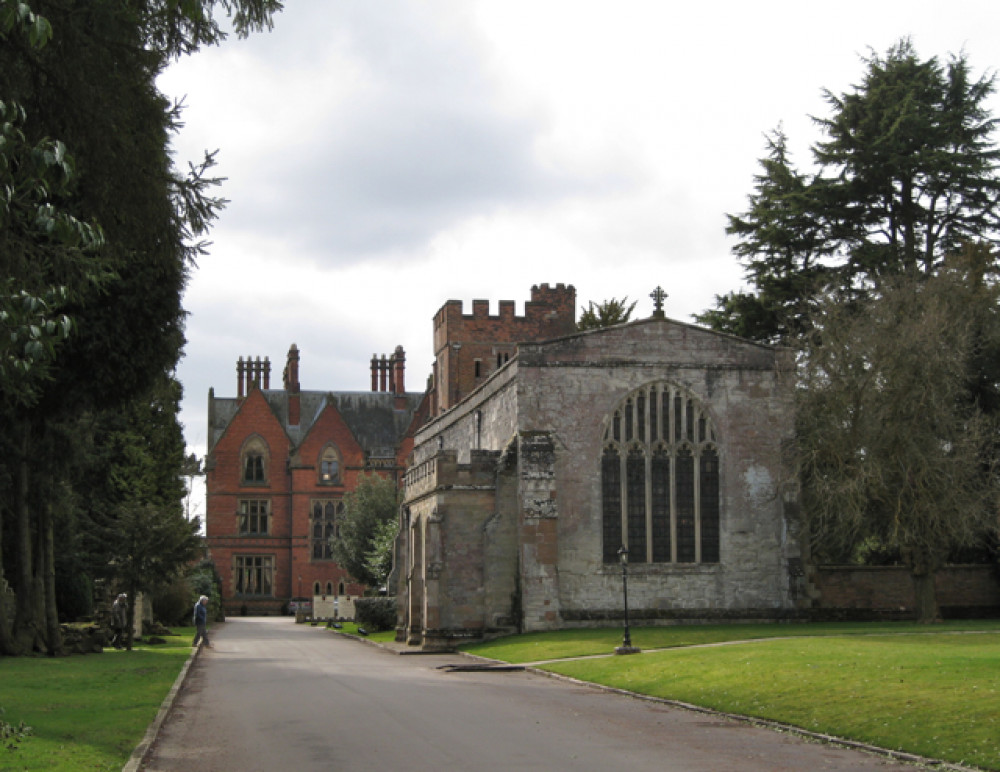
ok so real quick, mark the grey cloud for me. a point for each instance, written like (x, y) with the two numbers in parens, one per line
(424, 145)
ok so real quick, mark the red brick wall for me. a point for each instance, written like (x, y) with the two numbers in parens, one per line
(891, 587)
(329, 427)
(463, 340)
(291, 486)
(224, 488)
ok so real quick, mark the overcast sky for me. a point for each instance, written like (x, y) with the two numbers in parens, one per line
(386, 156)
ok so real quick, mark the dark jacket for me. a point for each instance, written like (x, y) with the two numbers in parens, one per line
(200, 613)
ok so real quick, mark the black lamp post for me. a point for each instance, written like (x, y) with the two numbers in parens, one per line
(626, 647)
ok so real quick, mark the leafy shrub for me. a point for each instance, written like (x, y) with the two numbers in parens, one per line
(375, 614)
(172, 604)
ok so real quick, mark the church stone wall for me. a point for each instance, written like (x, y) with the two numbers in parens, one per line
(528, 554)
(461, 570)
(486, 420)
(570, 387)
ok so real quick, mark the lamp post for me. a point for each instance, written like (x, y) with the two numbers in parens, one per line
(626, 647)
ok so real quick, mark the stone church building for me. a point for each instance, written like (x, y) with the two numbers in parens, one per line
(549, 450)
(279, 463)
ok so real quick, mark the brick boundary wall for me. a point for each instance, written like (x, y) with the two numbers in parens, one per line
(963, 590)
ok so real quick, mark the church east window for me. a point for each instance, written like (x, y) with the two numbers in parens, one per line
(254, 517)
(660, 479)
(324, 527)
(253, 574)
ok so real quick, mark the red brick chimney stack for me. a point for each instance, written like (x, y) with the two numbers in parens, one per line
(291, 383)
(389, 372)
(399, 371)
(252, 373)
(248, 376)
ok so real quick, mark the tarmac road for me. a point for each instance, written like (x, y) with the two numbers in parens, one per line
(273, 695)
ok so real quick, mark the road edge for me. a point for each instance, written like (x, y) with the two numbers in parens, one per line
(142, 749)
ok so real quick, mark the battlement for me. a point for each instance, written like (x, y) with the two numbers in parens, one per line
(545, 301)
(470, 347)
(442, 471)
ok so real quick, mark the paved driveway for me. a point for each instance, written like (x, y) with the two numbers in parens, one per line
(273, 695)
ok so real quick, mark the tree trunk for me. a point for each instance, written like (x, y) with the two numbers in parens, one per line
(47, 564)
(24, 617)
(925, 591)
(6, 642)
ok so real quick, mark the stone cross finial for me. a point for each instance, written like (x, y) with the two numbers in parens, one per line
(658, 296)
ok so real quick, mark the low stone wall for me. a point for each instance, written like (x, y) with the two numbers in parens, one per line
(963, 591)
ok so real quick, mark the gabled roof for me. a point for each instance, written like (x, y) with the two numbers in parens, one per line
(378, 420)
(653, 340)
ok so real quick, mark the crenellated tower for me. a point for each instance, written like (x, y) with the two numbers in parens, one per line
(468, 348)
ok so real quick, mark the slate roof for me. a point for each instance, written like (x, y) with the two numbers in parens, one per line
(371, 416)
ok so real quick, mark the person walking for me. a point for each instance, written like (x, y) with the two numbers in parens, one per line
(201, 621)
(119, 621)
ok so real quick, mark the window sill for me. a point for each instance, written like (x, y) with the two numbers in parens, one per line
(657, 569)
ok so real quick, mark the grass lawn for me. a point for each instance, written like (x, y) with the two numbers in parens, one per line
(352, 629)
(925, 690)
(537, 647)
(87, 712)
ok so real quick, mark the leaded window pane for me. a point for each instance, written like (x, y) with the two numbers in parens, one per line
(684, 474)
(661, 507)
(253, 574)
(709, 506)
(636, 504)
(253, 517)
(611, 497)
(324, 528)
(668, 432)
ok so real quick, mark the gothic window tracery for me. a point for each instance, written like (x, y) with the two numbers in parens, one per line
(660, 478)
(324, 527)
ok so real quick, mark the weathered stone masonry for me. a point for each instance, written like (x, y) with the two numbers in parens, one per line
(537, 429)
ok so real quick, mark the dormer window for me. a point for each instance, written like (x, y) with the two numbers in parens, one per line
(329, 467)
(254, 468)
(254, 464)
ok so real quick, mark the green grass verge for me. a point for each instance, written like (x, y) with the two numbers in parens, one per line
(386, 636)
(87, 712)
(919, 689)
(561, 644)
